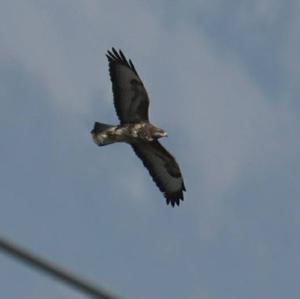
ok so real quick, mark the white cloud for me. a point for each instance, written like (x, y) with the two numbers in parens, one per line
(63, 55)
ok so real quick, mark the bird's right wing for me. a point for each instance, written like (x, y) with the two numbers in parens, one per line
(163, 168)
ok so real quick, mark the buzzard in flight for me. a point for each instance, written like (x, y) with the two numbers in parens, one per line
(131, 103)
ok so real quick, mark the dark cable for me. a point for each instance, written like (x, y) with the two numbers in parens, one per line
(52, 270)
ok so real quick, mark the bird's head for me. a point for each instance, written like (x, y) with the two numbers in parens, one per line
(159, 133)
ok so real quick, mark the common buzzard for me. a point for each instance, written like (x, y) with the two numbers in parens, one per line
(131, 103)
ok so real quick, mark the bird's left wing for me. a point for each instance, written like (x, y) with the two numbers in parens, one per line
(130, 96)
(163, 168)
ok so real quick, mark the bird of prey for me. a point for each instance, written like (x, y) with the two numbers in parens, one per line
(131, 103)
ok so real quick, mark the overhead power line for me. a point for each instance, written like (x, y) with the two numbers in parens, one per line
(53, 270)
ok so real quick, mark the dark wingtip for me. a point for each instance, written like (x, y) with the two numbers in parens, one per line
(118, 57)
(174, 198)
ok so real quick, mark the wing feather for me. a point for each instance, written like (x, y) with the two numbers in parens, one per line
(163, 168)
(130, 96)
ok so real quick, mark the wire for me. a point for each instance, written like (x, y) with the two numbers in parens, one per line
(53, 270)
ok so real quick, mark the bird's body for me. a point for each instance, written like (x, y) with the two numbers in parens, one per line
(131, 103)
(129, 133)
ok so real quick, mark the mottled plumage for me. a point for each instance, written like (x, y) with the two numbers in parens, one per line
(132, 104)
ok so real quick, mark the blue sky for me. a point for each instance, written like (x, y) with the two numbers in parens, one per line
(223, 77)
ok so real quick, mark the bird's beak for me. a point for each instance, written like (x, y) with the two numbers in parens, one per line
(160, 134)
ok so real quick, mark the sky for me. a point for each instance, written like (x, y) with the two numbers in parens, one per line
(223, 79)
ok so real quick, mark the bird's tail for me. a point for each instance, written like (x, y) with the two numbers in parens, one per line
(99, 128)
(99, 135)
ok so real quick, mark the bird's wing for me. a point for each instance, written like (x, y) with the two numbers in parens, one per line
(130, 96)
(163, 168)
